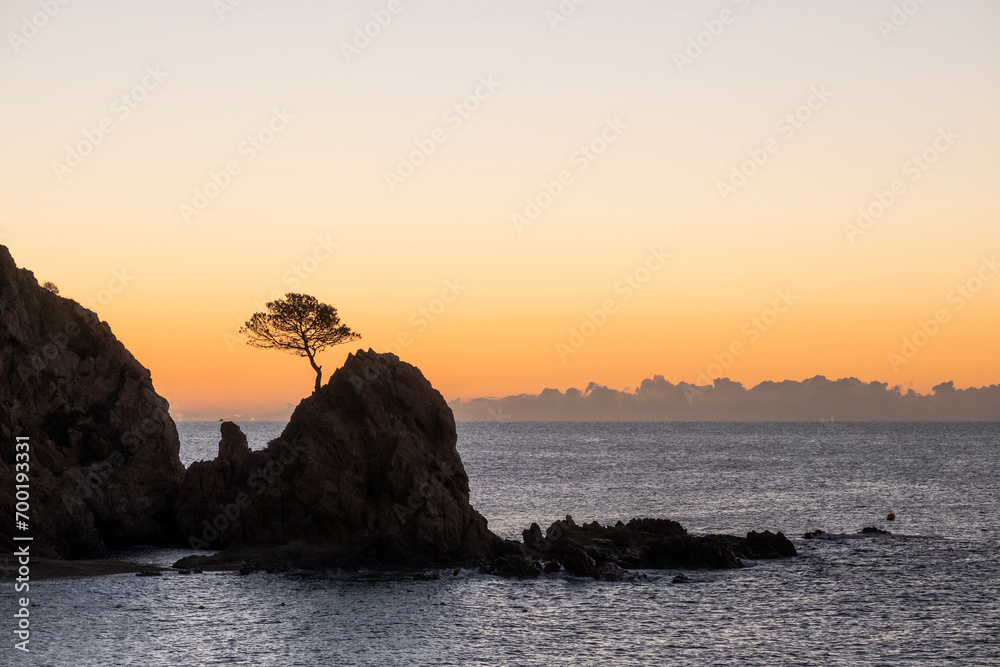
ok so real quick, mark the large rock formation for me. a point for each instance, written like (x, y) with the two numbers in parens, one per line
(104, 466)
(366, 472)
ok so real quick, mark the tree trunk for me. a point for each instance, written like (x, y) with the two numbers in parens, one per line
(319, 371)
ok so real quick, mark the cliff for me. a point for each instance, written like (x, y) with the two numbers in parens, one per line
(104, 469)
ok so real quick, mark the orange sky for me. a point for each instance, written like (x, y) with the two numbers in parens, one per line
(591, 120)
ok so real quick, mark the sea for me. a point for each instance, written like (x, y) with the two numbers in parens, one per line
(928, 593)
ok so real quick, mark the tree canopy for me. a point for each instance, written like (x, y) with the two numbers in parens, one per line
(300, 324)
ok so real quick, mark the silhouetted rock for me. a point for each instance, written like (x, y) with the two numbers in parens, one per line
(814, 534)
(532, 536)
(367, 471)
(578, 562)
(607, 552)
(104, 464)
(513, 567)
(611, 572)
(233, 448)
(662, 527)
(766, 545)
(872, 530)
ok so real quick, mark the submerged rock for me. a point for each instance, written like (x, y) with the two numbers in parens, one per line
(367, 471)
(104, 468)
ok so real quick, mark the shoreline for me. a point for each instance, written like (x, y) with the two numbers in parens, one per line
(54, 568)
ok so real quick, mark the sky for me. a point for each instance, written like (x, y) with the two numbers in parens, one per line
(515, 195)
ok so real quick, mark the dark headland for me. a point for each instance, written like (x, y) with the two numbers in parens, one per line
(366, 475)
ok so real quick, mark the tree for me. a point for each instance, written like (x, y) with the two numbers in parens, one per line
(51, 286)
(301, 324)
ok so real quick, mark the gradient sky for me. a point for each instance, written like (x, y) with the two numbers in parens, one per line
(681, 130)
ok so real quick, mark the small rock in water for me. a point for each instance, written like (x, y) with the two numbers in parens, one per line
(891, 517)
(149, 573)
(681, 579)
(872, 530)
(812, 535)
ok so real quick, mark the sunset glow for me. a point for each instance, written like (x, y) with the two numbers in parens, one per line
(511, 198)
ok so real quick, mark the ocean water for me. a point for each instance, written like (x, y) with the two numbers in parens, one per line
(927, 594)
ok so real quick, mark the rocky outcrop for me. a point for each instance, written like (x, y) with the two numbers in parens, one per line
(367, 472)
(608, 552)
(104, 469)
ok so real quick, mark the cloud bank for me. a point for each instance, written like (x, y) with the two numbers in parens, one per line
(814, 399)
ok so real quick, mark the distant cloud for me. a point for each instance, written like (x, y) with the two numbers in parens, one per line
(814, 399)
